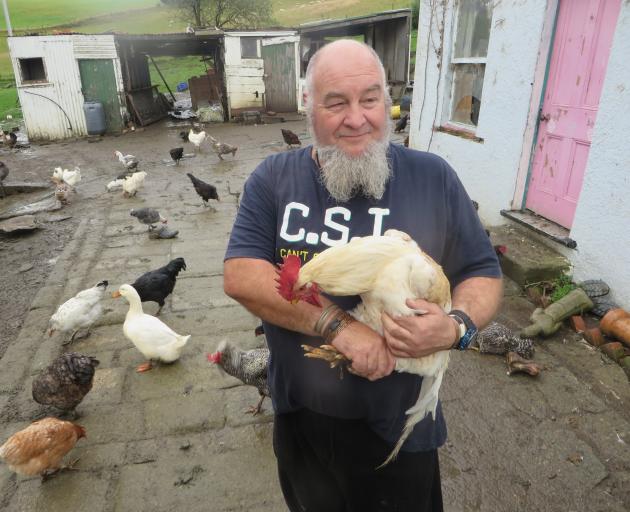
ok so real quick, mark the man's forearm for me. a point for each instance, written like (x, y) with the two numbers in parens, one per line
(479, 298)
(251, 282)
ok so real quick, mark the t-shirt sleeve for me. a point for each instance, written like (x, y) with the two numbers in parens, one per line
(468, 251)
(254, 231)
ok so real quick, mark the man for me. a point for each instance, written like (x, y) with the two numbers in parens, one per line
(329, 433)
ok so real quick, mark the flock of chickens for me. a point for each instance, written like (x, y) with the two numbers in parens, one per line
(39, 448)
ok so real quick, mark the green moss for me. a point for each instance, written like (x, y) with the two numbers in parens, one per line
(562, 285)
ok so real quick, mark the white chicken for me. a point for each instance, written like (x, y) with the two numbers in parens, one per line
(130, 162)
(152, 337)
(114, 185)
(385, 271)
(131, 184)
(79, 312)
(196, 138)
(71, 178)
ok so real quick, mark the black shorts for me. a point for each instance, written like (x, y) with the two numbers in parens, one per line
(329, 465)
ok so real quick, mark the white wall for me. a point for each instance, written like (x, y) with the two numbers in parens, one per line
(488, 170)
(42, 118)
(602, 219)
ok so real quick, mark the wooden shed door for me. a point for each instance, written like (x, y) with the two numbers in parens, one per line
(584, 33)
(98, 83)
(279, 77)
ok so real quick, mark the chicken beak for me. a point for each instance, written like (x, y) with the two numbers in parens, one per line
(115, 295)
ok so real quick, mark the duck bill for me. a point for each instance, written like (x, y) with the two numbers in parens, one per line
(116, 294)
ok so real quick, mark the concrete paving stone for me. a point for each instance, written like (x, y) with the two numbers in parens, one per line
(96, 456)
(200, 292)
(142, 247)
(182, 378)
(47, 297)
(146, 262)
(4, 401)
(238, 402)
(200, 483)
(48, 350)
(69, 490)
(107, 388)
(193, 412)
(109, 423)
(101, 338)
(215, 321)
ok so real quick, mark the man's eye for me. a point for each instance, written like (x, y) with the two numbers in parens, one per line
(370, 101)
(335, 106)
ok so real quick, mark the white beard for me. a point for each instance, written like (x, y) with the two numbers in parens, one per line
(346, 176)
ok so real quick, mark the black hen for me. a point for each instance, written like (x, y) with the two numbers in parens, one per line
(183, 136)
(250, 367)
(158, 284)
(402, 123)
(290, 138)
(177, 154)
(66, 381)
(205, 190)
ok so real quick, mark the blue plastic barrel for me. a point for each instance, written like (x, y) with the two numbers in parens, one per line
(94, 117)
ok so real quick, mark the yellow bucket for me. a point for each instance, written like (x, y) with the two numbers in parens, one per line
(395, 112)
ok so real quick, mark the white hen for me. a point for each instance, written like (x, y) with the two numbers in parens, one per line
(131, 184)
(129, 161)
(156, 340)
(71, 178)
(79, 312)
(385, 271)
(196, 138)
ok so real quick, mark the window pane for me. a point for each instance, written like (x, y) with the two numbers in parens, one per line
(249, 47)
(467, 85)
(473, 28)
(33, 70)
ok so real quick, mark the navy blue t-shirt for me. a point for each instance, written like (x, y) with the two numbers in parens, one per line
(286, 210)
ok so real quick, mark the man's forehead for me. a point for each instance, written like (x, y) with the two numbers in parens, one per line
(335, 92)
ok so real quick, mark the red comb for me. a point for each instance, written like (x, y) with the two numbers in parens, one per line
(215, 357)
(288, 276)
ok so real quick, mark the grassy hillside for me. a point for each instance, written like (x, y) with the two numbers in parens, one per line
(147, 17)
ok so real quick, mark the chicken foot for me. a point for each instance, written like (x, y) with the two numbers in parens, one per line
(327, 353)
(255, 409)
(48, 473)
(516, 364)
(145, 367)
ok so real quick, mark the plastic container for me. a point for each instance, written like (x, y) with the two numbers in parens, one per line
(94, 117)
(395, 112)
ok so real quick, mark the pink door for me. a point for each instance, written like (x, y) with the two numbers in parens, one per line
(584, 33)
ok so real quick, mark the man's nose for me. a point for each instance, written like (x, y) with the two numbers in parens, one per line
(355, 117)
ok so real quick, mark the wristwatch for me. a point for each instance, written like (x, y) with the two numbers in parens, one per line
(467, 329)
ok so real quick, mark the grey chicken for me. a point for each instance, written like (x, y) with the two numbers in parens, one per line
(499, 339)
(222, 148)
(203, 189)
(147, 216)
(4, 172)
(65, 382)
(290, 138)
(158, 284)
(177, 154)
(248, 366)
(129, 161)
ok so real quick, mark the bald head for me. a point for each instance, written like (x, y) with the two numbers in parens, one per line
(337, 53)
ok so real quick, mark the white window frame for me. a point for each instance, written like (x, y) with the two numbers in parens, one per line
(455, 61)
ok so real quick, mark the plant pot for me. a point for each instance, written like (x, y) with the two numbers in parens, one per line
(616, 323)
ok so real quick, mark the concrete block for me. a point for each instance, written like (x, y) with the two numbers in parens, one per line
(193, 412)
(107, 388)
(47, 297)
(215, 321)
(111, 423)
(200, 292)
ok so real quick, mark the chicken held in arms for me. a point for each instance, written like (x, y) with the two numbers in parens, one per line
(39, 448)
(78, 312)
(248, 366)
(65, 382)
(203, 189)
(158, 284)
(152, 337)
(384, 271)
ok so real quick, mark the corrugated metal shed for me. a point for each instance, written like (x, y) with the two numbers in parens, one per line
(52, 101)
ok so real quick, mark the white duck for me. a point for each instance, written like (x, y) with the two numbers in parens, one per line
(65, 176)
(79, 312)
(156, 340)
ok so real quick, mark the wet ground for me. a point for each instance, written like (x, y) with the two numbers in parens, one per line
(177, 439)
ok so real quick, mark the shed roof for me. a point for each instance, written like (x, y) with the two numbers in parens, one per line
(172, 44)
(347, 25)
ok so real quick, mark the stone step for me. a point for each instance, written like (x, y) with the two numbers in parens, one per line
(526, 259)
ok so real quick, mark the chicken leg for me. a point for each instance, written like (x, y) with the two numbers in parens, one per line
(145, 367)
(255, 409)
(48, 473)
(327, 353)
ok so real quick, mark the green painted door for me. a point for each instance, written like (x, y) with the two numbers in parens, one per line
(279, 77)
(98, 83)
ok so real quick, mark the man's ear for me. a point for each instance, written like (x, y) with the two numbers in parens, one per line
(304, 98)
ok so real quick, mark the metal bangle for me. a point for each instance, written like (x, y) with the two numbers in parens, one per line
(319, 325)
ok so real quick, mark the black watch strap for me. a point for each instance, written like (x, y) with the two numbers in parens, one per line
(470, 329)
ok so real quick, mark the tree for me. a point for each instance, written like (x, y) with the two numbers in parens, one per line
(224, 13)
(415, 13)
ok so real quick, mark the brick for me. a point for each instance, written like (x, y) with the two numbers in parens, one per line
(577, 323)
(594, 337)
(614, 350)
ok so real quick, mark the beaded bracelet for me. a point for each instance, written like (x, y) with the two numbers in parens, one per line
(338, 325)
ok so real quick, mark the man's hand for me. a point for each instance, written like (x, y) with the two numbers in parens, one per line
(366, 349)
(420, 335)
